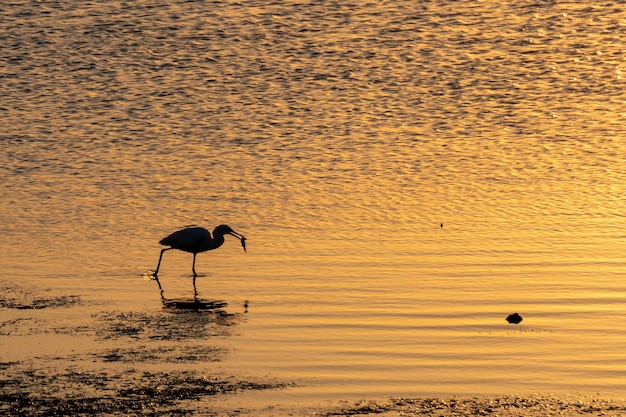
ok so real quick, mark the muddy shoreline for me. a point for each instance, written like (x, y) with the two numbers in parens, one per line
(152, 362)
(502, 406)
(159, 362)
(32, 393)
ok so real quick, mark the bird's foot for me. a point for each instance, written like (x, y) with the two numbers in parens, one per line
(150, 275)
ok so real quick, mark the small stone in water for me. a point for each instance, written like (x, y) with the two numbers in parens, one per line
(514, 318)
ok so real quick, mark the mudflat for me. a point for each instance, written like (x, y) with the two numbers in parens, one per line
(158, 362)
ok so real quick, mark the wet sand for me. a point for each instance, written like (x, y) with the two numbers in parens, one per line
(502, 406)
(111, 362)
(155, 363)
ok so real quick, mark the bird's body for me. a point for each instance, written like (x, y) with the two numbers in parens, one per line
(196, 240)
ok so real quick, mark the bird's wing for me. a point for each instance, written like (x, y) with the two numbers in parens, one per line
(186, 239)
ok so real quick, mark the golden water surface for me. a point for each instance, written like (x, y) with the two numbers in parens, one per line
(407, 175)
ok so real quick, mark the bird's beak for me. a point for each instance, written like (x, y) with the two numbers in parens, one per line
(242, 238)
(237, 235)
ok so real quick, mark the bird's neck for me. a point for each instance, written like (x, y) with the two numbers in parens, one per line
(217, 241)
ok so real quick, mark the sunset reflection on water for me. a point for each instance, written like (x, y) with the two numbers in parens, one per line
(337, 138)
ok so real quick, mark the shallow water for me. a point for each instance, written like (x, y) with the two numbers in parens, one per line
(338, 138)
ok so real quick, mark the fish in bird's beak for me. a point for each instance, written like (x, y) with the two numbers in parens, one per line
(240, 237)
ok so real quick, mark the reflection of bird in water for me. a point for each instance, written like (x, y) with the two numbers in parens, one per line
(196, 240)
(514, 318)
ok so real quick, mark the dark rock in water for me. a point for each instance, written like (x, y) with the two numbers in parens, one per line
(514, 318)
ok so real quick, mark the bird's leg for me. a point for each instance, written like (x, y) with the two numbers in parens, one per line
(193, 266)
(159, 264)
(195, 290)
(156, 278)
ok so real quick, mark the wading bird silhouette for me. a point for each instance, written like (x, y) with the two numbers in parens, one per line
(196, 240)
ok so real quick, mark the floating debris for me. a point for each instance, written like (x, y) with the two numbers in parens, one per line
(514, 318)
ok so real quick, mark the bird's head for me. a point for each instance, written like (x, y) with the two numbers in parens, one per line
(223, 229)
